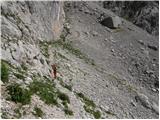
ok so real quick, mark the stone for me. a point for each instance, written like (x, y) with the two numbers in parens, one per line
(95, 33)
(154, 90)
(87, 11)
(144, 100)
(156, 84)
(106, 39)
(67, 26)
(69, 65)
(146, 52)
(111, 22)
(147, 18)
(153, 47)
(112, 50)
(80, 9)
(155, 108)
(104, 107)
(1, 83)
(42, 61)
(141, 42)
(149, 71)
(87, 33)
(133, 103)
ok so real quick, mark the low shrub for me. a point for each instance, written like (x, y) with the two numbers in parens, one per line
(19, 94)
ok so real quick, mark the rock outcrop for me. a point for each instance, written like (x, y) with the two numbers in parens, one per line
(100, 72)
(111, 22)
(144, 14)
(32, 21)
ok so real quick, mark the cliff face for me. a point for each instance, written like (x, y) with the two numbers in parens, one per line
(32, 21)
(94, 70)
(144, 14)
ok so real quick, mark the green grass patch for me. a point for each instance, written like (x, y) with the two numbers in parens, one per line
(44, 48)
(86, 100)
(18, 113)
(4, 71)
(71, 49)
(24, 112)
(126, 17)
(63, 96)
(89, 106)
(68, 112)
(88, 109)
(19, 94)
(19, 76)
(122, 82)
(20, 70)
(49, 93)
(46, 91)
(66, 109)
(59, 79)
(109, 112)
(37, 112)
(97, 114)
(4, 115)
(62, 56)
(65, 104)
(118, 30)
(24, 67)
(69, 87)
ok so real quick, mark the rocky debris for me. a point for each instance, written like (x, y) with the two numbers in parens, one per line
(67, 26)
(87, 33)
(112, 50)
(104, 108)
(144, 100)
(84, 65)
(106, 39)
(144, 14)
(154, 90)
(156, 84)
(153, 47)
(155, 108)
(133, 103)
(141, 42)
(94, 33)
(111, 22)
(87, 11)
(28, 80)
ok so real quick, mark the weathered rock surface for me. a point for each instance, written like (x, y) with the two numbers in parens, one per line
(32, 21)
(101, 72)
(144, 14)
(114, 51)
(111, 22)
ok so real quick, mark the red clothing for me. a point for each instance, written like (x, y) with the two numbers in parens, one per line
(54, 72)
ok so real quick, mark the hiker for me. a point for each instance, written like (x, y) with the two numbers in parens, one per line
(54, 72)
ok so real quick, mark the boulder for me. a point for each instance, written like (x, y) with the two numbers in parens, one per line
(111, 22)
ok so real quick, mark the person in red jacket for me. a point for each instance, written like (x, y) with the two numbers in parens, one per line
(54, 72)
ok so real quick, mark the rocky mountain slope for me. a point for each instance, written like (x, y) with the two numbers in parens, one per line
(144, 14)
(101, 72)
